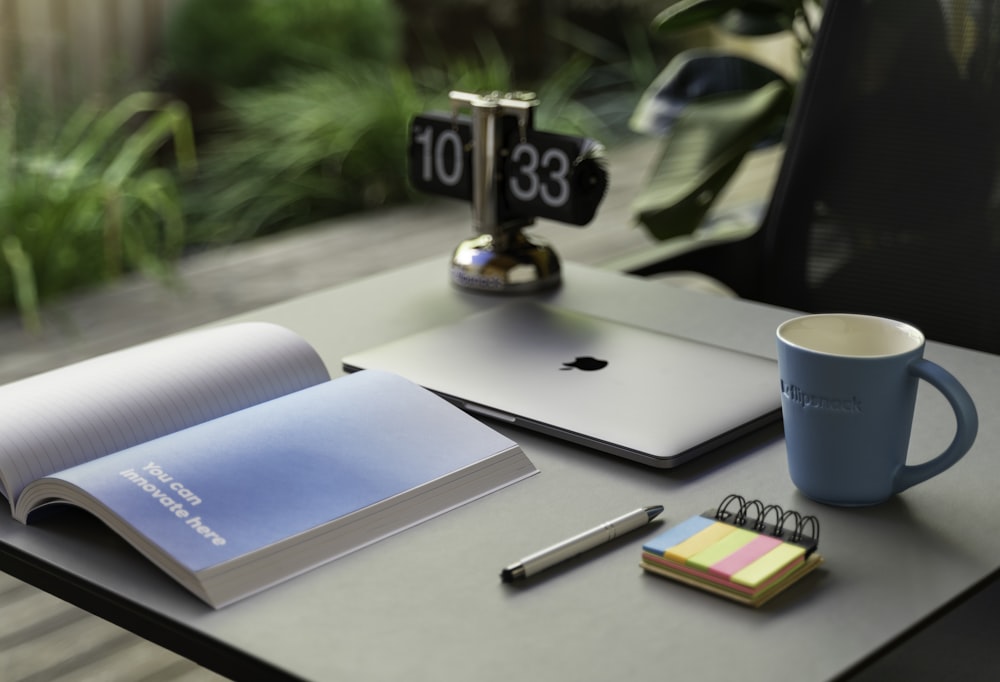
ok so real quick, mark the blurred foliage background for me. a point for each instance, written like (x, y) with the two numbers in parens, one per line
(262, 115)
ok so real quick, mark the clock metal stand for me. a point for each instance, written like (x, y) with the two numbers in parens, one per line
(512, 174)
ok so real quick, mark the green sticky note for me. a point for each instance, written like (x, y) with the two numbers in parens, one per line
(698, 542)
(721, 549)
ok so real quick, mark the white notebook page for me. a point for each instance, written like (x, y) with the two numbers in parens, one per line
(71, 415)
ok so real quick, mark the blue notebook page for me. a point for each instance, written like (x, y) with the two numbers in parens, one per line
(219, 490)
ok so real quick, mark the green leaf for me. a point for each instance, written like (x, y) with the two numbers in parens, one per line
(688, 14)
(706, 146)
(693, 75)
(166, 122)
(23, 280)
(742, 17)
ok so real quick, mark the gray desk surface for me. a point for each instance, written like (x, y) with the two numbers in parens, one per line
(428, 604)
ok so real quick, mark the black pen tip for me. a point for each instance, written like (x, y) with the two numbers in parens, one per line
(512, 573)
(654, 511)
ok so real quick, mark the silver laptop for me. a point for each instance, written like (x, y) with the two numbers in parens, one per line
(650, 397)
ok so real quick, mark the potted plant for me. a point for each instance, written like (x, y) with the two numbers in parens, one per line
(711, 107)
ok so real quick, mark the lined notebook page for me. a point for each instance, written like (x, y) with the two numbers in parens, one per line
(71, 415)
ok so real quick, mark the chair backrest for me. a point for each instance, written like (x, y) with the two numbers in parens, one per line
(888, 200)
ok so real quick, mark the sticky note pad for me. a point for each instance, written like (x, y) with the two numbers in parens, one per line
(701, 540)
(721, 549)
(768, 565)
(742, 550)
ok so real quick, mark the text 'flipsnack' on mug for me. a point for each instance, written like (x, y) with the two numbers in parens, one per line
(848, 391)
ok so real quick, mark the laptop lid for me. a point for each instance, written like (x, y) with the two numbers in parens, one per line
(631, 392)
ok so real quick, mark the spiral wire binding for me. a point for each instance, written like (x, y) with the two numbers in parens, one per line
(782, 518)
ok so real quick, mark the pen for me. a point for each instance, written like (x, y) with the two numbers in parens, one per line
(550, 556)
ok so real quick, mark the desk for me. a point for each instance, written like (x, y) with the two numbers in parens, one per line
(428, 604)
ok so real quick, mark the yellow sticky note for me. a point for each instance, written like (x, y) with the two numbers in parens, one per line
(763, 568)
(721, 549)
(698, 542)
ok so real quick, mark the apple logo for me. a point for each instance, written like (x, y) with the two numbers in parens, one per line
(585, 363)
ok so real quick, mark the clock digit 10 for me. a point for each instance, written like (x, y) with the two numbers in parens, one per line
(440, 155)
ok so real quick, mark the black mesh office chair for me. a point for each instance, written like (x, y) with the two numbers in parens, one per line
(888, 202)
(888, 199)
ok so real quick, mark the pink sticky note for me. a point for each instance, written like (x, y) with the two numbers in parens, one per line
(744, 556)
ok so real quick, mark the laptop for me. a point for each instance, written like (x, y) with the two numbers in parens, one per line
(649, 397)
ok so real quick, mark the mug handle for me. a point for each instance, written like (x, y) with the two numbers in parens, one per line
(966, 427)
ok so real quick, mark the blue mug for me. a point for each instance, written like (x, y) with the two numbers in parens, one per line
(848, 390)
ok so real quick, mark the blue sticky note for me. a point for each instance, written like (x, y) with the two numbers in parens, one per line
(676, 535)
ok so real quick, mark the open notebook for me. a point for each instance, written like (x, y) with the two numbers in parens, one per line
(229, 458)
(632, 392)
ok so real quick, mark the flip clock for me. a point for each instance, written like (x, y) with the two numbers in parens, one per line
(486, 151)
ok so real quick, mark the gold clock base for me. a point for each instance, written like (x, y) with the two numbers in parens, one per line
(514, 264)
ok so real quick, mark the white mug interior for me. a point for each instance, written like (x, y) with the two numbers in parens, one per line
(851, 335)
